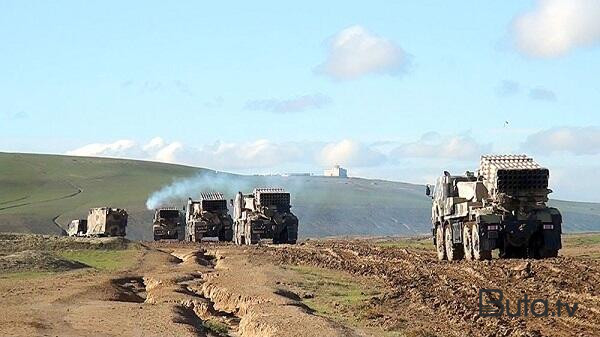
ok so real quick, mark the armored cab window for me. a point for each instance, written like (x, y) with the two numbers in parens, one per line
(169, 213)
(214, 205)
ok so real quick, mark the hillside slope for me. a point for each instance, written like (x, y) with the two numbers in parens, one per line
(39, 193)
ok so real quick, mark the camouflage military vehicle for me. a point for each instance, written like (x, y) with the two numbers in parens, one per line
(77, 228)
(168, 224)
(208, 217)
(502, 206)
(264, 214)
(106, 221)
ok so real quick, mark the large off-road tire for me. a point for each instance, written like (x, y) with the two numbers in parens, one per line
(197, 238)
(239, 238)
(548, 253)
(439, 242)
(478, 253)
(282, 237)
(467, 246)
(248, 234)
(537, 249)
(454, 252)
(511, 252)
(225, 235)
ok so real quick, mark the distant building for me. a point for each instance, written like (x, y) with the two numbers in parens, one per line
(297, 174)
(336, 171)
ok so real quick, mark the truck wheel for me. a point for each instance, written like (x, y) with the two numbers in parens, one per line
(511, 252)
(547, 253)
(283, 237)
(453, 251)
(467, 246)
(248, 235)
(439, 242)
(478, 253)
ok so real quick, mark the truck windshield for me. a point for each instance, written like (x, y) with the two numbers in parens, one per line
(171, 213)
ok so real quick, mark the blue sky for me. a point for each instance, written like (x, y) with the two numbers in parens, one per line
(398, 90)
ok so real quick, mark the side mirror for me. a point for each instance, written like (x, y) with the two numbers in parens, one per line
(427, 190)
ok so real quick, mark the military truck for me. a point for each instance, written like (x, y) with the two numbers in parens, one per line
(168, 224)
(106, 221)
(208, 217)
(264, 214)
(501, 206)
(77, 227)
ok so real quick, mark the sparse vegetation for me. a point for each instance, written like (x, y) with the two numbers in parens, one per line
(217, 327)
(578, 240)
(102, 259)
(26, 255)
(424, 243)
(340, 297)
(581, 245)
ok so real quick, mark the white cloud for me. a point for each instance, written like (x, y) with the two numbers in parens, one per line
(154, 144)
(574, 140)
(121, 148)
(350, 153)
(256, 154)
(355, 52)
(433, 145)
(168, 152)
(555, 27)
(297, 104)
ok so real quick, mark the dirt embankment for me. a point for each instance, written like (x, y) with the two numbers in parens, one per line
(173, 289)
(441, 298)
(247, 284)
(185, 289)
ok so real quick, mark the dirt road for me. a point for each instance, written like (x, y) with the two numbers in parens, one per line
(178, 289)
(173, 290)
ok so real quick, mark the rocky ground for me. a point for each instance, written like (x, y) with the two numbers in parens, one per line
(62, 287)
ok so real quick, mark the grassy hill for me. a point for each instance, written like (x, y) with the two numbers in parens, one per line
(42, 193)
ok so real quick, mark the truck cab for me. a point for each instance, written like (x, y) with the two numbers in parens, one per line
(167, 224)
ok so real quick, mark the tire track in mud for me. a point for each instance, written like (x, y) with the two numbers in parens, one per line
(70, 195)
(14, 200)
(441, 297)
(78, 190)
(41, 171)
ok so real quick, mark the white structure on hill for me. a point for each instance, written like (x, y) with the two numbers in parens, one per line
(336, 171)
